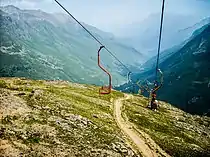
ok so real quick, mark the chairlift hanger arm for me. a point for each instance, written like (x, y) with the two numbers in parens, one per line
(129, 79)
(161, 81)
(161, 75)
(157, 88)
(104, 90)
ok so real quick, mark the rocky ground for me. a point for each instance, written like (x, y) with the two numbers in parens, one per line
(49, 118)
(57, 118)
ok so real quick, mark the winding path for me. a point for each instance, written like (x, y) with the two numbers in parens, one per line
(136, 137)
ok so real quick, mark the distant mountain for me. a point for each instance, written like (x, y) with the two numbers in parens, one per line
(187, 77)
(40, 45)
(186, 74)
(176, 29)
(196, 26)
(193, 30)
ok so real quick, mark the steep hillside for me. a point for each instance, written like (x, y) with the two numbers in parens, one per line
(186, 74)
(57, 118)
(187, 77)
(39, 45)
(150, 64)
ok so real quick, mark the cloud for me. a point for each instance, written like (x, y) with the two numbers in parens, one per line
(25, 4)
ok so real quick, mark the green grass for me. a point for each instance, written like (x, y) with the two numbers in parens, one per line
(76, 117)
(51, 104)
(176, 134)
(3, 84)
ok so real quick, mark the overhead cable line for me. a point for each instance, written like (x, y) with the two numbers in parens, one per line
(92, 35)
(160, 36)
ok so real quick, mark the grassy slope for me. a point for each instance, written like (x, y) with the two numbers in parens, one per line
(45, 118)
(178, 133)
(61, 118)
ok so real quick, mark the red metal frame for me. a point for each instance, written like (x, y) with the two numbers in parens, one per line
(104, 89)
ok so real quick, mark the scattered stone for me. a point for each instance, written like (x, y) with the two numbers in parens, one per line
(196, 147)
(21, 94)
(46, 108)
(37, 107)
(58, 122)
(124, 151)
(204, 133)
(24, 137)
(56, 141)
(119, 147)
(2, 131)
(38, 93)
(95, 116)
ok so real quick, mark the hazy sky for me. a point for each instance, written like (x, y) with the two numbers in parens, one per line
(110, 15)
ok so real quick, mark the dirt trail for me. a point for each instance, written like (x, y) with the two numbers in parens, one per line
(141, 144)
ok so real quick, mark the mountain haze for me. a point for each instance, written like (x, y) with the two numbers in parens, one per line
(176, 29)
(186, 71)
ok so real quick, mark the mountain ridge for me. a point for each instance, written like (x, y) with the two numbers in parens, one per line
(63, 46)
